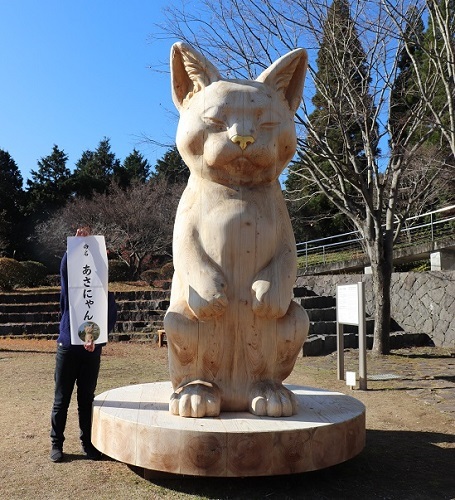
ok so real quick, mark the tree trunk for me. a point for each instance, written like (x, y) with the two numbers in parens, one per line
(381, 293)
(381, 259)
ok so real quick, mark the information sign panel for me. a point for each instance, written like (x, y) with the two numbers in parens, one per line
(351, 311)
(348, 304)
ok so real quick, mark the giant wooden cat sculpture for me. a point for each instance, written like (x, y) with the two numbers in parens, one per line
(233, 331)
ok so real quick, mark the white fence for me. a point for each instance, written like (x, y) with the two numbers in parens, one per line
(427, 227)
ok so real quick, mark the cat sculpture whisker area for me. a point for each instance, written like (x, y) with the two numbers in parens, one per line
(233, 331)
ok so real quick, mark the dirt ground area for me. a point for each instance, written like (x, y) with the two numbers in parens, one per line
(409, 453)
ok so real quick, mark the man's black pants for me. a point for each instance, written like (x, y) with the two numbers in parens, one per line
(74, 365)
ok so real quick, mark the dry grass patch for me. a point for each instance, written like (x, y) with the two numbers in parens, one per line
(409, 452)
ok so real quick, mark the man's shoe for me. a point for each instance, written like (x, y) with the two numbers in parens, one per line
(56, 454)
(91, 452)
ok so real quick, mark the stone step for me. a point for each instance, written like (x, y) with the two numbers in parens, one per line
(142, 305)
(54, 316)
(54, 296)
(142, 295)
(139, 326)
(328, 314)
(29, 298)
(316, 302)
(51, 328)
(330, 327)
(138, 311)
(29, 328)
(36, 307)
(321, 345)
(30, 317)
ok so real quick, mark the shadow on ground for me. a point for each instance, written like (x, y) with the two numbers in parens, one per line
(393, 465)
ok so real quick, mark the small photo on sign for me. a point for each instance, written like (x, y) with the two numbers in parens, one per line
(89, 332)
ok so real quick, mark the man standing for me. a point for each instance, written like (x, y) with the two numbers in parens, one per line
(75, 364)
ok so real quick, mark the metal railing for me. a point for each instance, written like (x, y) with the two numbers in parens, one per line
(427, 227)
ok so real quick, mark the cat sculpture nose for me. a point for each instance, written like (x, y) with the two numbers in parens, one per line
(242, 140)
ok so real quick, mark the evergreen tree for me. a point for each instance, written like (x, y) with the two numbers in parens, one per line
(11, 205)
(335, 119)
(313, 216)
(438, 63)
(95, 170)
(135, 168)
(332, 109)
(50, 186)
(423, 68)
(171, 168)
(405, 93)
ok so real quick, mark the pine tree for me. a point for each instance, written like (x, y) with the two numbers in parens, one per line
(329, 116)
(423, 81)
(436, 62)
(405, 93)
(172, 168)
(50, 186)
(95, 170)
(11, 204)
(313, 214)
(135, 168)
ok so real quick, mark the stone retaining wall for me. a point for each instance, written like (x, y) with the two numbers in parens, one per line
(421, 302)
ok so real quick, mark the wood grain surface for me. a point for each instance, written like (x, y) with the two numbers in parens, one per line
(132, 424)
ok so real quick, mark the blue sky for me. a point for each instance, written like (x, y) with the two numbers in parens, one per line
(74, 72)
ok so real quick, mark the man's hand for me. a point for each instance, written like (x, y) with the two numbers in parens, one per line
(89, 346)
(83, 231)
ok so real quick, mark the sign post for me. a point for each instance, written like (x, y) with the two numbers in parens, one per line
(87, 289)
(351, 311)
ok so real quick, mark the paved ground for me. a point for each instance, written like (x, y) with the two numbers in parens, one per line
(426, 373)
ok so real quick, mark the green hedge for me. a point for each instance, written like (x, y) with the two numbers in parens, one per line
(35, 274)
(118, 271)
(11, 274)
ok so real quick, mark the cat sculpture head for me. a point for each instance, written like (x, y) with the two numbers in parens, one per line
(236, 132)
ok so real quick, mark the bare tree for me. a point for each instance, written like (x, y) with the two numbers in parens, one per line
(137, 222)
(244, 37)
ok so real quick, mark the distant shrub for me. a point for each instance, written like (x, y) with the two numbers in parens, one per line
(118, 271)
(423, 267)
(167, 271)
(11, 274)
(419, 266)
(161, 284)
(150, 275)
(53, 280)
(34, 273)
(155, 276)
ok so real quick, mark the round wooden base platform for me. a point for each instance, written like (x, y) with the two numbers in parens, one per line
(133, 425)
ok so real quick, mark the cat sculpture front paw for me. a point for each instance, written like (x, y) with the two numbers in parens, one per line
(272, 399)
(267, 300)
(205, 309)
(207, 294)
(196, 399)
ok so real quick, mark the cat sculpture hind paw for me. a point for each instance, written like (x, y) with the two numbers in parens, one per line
(272, 399)
(196, 399)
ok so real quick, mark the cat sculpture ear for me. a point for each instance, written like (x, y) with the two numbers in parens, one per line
(287, 75)
(190, 72)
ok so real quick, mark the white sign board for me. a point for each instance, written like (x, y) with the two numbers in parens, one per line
(348, 304)
(87, 288)
(351, 311)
